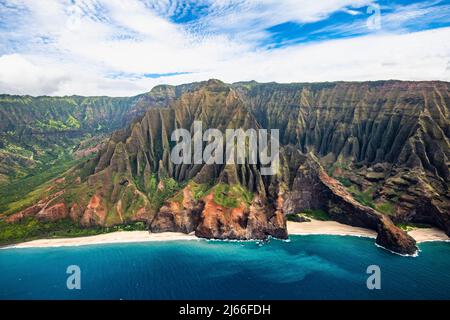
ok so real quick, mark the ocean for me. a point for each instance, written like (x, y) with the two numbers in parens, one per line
(306, 267)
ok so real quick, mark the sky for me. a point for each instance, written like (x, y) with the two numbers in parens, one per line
(124, 48)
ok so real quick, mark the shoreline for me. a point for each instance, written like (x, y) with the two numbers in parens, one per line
(335, 228)
(314, 227)
(104, 238)
(428, 235)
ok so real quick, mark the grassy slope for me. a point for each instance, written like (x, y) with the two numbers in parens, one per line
(24, 192)
(36, 131)
(18, 194)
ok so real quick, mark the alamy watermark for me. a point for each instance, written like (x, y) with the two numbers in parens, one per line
(374, 21)
(253, 146)
(374, 280)
(74, 280)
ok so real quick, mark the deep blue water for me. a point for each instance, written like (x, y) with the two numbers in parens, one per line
(307, 267)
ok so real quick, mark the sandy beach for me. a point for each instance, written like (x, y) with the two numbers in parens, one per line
(336, 228)
(113, 237)
(428, 234)
(315, 227)
(329, 228)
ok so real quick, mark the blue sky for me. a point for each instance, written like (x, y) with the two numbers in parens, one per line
(112, 47)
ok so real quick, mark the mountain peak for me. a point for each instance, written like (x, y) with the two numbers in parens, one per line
(215, 82)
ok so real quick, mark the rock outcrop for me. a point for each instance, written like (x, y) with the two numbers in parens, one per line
(181, 216)
(213, 221)
(57, 211)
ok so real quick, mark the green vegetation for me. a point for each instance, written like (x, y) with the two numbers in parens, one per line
(25, 156)
(230, 196)
(345, 181)
(36, 132)
(58, 125)
(223, 198)
(169, 187)
(75, 193)
(405, 227)
(199, 190)
(316, 214)
(386, 207)
(30, 229)
(296, 217)
(73, 123)
(131, 202)
(364, 197)
(22, 193)
(292, 217)
(17, 149)
(411, 226)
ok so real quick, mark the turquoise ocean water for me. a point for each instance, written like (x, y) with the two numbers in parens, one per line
(307, 267)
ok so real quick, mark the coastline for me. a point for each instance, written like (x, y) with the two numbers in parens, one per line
(317, 227)
(428, 235)
(339, 229)
(314, 227)
(105, 238)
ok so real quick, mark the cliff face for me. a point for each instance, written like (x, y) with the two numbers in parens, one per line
(210, 200)
(387, 141)
(312, 187)
(369, 154)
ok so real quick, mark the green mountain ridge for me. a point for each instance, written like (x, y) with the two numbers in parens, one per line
(39, 130)
(369, 154)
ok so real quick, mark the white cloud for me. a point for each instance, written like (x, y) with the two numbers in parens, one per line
(20, 76)
(414, 56)
(87, 42)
